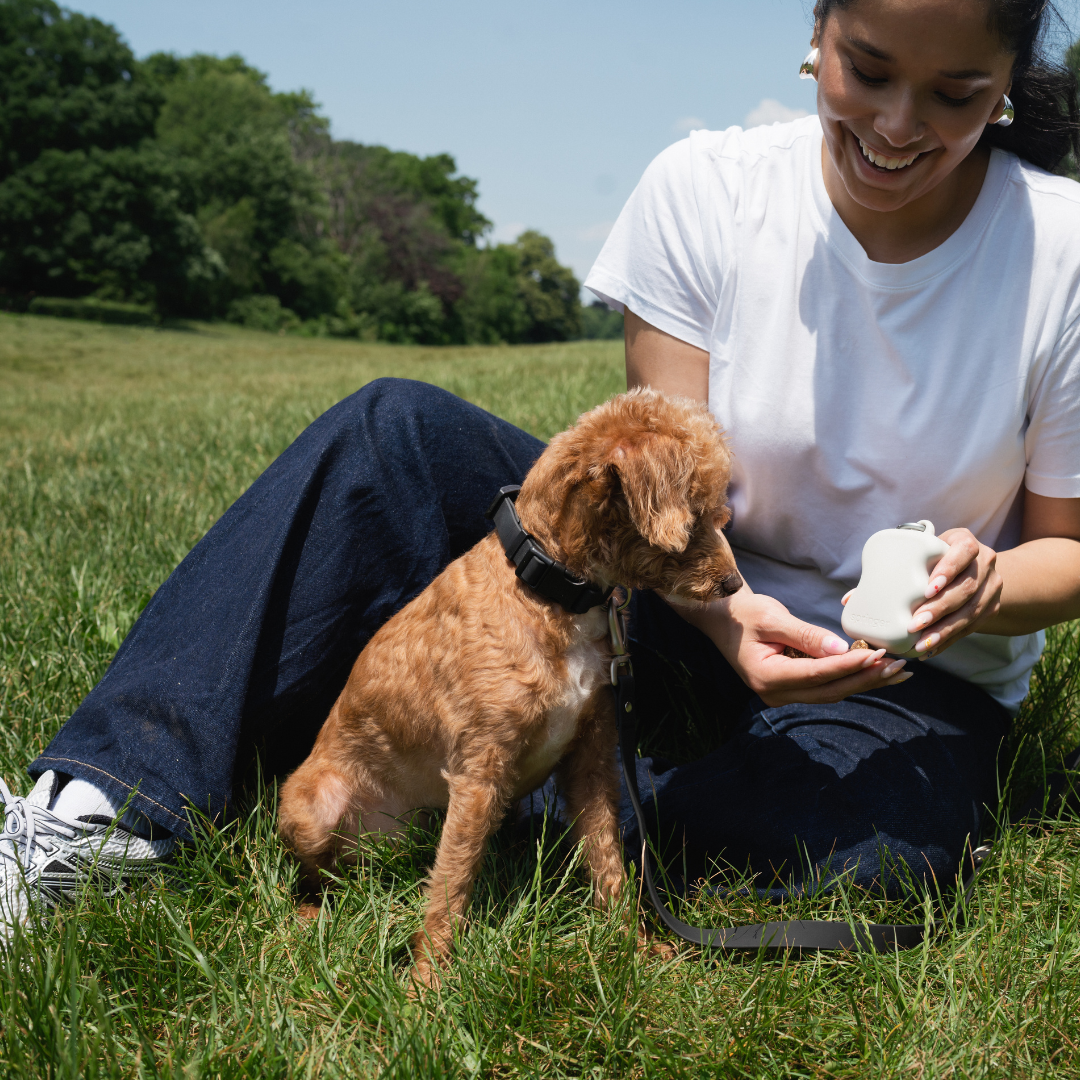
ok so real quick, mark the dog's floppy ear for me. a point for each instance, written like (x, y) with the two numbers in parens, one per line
(655, 476)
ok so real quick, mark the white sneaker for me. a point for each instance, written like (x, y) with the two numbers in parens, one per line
(45, 857)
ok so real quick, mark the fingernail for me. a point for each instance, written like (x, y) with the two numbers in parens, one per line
(935, 586)
(902, 677)
(893, 668)
(928, 642)
(835, 645)
(873, 658)
(923, 619)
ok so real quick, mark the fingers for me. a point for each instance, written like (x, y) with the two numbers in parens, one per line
(963, 550)
(812, 640)
(877, 673)
(954, 625)
(777, 679)
(948, 631)
(971, 596)
(960, 596)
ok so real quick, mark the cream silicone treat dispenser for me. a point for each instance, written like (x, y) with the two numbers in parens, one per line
(896, 565)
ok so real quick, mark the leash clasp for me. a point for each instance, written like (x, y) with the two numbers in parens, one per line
(618, 620)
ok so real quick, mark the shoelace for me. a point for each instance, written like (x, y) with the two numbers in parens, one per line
(23, 822)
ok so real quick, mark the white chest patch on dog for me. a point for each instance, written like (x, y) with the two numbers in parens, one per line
(586, 669)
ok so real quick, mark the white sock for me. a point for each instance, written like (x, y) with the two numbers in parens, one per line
(79, 799)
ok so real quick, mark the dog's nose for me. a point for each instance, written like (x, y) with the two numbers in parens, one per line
(732, 583)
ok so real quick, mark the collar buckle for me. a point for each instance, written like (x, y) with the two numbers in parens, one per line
(534, 565)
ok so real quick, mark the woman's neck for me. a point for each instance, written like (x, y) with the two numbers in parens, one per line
(898, 236)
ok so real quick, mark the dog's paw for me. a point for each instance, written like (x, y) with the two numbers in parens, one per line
(431, 954)
(661, 950)
(650, 944)
(423, 976)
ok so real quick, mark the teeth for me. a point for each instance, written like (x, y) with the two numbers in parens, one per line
(891, 163)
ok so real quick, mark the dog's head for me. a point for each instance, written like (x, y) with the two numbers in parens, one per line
(634, 494)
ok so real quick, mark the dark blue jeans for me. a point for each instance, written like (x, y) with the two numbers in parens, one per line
(241, 653)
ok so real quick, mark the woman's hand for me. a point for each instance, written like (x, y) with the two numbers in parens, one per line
(752, 632)
(964, 592)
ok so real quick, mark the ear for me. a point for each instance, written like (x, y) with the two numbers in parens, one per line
(655, 475)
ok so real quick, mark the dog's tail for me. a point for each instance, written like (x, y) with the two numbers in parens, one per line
(316, 810)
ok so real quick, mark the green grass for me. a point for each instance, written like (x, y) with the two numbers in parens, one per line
(118, 448)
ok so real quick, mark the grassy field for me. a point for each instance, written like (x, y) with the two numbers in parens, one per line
(118, 449)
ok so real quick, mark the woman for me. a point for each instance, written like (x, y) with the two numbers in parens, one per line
(869, 300)
(881, 309)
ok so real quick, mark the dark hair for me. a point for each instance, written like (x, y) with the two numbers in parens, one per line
(1047, 125)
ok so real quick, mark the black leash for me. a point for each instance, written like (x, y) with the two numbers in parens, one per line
(794, 934)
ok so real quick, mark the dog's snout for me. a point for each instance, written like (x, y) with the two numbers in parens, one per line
(732, 583)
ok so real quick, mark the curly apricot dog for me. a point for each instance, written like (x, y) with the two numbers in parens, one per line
(478, 689)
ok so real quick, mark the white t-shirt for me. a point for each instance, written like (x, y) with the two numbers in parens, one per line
(859, 395)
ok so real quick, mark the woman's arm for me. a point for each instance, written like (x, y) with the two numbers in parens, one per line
(752, 630)
(1041, 577)
(659, 360)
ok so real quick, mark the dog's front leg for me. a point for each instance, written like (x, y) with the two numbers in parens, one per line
(589, 778)
(475, 809)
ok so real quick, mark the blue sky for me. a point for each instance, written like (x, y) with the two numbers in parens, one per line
(555, 107)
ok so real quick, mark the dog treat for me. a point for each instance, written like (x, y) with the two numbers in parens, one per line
(795, 654)
(480, 688)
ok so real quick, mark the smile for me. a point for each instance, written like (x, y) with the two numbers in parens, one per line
(883, 162)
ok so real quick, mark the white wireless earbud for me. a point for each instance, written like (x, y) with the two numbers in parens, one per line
(896, 565)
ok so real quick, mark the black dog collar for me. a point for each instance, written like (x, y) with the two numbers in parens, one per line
(534, 565)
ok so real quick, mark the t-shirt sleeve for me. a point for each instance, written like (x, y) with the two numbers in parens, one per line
(1053, 435)
(654, 261)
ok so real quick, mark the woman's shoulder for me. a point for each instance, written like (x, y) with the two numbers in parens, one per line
(1051, 198)
(1035, 230)
(741, 147)
(766, 141)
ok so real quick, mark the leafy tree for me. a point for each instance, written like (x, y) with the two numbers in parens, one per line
(87, 203)
(519, 293)
(237, 138)
(310, 279)
(409, 231)
(492, 308)
(431, 180)
(102, 221)
(550, 290)
(67, 82)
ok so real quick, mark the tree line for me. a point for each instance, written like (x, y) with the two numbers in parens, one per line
(187, 184)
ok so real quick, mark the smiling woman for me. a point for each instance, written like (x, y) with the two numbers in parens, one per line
(881, 305)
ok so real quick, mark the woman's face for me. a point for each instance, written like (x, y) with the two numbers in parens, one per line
(914, 82)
